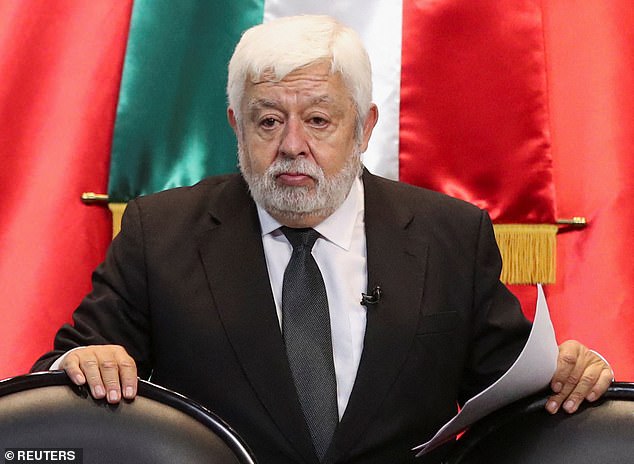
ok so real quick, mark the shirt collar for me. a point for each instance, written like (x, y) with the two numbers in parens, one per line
(337, 228)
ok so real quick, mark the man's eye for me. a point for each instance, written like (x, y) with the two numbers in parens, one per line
(268, 122)
(318, 121)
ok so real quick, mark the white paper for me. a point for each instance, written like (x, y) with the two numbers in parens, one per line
(530, 373)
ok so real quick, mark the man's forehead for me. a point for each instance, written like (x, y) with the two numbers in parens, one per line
(302, 86)
(258, 102)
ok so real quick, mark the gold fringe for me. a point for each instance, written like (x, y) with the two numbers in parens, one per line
(528, 252)
(117, 210)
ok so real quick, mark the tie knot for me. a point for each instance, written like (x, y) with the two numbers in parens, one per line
(304, 237)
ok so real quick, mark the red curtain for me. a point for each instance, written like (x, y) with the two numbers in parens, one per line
(60, 64)
(473, 118)
(590, 56)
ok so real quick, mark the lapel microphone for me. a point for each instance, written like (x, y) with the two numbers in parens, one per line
(371, 298)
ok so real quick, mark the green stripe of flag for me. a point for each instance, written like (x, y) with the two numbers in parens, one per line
(171, 128)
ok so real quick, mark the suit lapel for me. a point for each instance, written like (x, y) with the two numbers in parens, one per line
(235, 265)
(395, 261)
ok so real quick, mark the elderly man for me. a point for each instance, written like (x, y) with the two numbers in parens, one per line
(327, 314)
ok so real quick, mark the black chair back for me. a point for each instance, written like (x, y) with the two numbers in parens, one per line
(46, 411)
(524, 433)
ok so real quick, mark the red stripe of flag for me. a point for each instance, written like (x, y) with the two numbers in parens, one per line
(474, 106)
(60, 64)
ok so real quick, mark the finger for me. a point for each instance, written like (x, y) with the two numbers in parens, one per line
(127, 374)
(570, 370)
(89, 364)
(71, 365)
(566, 362)
(582, 389)
(606, 377)
(110, 374)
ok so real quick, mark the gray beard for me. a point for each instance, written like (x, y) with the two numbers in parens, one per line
(295, 203)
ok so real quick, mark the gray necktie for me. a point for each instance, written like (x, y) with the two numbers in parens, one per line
(306, 329)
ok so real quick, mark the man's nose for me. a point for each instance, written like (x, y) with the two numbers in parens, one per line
(294, 141)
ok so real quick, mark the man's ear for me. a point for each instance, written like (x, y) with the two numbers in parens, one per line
(368, 125)
(233, 122)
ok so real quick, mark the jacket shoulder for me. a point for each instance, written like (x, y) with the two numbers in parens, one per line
(203, 189)
(423, 201)
(185, 207)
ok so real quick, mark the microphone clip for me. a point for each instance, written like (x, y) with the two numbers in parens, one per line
(371, 298)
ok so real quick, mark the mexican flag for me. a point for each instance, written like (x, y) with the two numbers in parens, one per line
(505, 104)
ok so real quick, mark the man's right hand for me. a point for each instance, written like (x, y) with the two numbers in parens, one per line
(108, 369)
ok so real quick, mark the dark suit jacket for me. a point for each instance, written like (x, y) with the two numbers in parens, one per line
(185, 289)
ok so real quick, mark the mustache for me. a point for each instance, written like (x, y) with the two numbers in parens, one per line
(296, 166)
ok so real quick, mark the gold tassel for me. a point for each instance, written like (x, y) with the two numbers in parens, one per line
(528, 252)
(117, 210)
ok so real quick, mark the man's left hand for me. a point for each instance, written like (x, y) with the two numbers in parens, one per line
(581, 375)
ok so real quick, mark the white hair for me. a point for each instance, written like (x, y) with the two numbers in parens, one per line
(284, 45)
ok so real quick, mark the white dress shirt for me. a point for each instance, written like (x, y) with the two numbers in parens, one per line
(340, 253)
